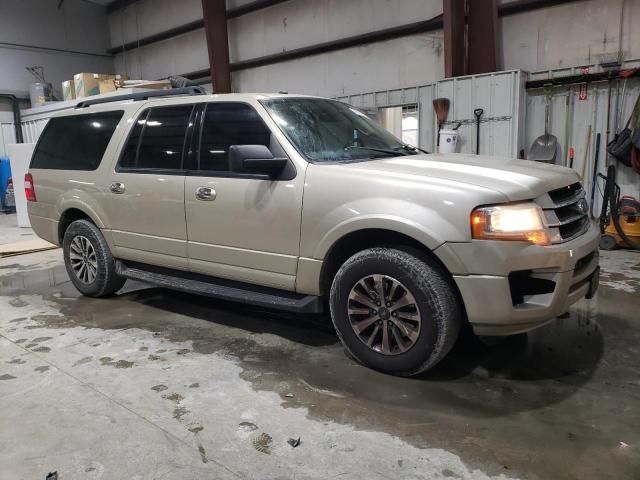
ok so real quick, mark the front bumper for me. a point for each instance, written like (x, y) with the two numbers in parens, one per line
(568, 271)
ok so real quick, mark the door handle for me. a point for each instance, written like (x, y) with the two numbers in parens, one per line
(117, 187)
(206, 194)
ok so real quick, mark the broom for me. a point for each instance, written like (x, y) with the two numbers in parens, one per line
(441, 107)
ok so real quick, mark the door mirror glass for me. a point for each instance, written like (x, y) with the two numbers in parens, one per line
(255, 159)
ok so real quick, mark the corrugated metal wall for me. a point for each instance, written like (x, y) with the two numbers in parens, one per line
(499, 94)
(568, 108)
(7, 136)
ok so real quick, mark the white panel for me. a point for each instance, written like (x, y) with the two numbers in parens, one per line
(497, 93)
(77, 25)
(148, 17)
(57, 67)
(286, 26)
(592, 111)
(7, 136)
(572, 34)
(393, 64)
(179, 55)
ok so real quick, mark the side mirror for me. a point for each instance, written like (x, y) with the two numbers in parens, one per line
(255, 159)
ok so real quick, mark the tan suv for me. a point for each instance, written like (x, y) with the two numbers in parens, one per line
(296, 202)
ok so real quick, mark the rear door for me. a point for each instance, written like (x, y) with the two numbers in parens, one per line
(146, 189)
(246, 227)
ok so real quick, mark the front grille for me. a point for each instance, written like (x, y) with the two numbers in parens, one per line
(566, 212)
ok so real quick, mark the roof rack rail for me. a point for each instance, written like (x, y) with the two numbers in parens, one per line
(197, 90)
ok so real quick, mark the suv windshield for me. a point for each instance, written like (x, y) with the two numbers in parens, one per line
(331, 131)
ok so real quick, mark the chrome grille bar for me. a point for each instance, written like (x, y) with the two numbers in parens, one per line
(565, 212)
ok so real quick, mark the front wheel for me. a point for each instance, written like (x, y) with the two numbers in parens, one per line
(395, 312)
(88, 260)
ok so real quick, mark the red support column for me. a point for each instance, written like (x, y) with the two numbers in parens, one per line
(454, 38)
(215, 26)
(483, 40)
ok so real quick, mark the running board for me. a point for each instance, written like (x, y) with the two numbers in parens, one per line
(222, 289)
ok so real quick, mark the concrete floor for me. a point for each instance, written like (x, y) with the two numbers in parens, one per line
(10, 232)
(155, 384)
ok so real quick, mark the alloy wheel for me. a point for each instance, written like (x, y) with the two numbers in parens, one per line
(384, 314)
(84, 261)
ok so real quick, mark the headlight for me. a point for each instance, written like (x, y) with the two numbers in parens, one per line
(520, 222)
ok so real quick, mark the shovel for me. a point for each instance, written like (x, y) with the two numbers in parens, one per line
(543, 148)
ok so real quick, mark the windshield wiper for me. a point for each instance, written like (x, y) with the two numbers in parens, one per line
(412, 149)
(389, 151)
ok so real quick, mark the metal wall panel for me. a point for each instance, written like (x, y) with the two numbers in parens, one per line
(566, 104)
(7, 136)
(499, 94)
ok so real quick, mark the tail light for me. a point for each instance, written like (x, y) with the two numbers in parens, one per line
(29, 188)
(10, 185)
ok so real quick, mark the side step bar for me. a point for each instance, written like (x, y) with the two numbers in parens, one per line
(222, 289)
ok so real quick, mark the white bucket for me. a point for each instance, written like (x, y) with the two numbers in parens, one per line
(448, 141)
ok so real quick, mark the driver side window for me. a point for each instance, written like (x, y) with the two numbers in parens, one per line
(227, 124)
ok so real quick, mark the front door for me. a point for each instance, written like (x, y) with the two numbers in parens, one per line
(146, 190)
(241, 226)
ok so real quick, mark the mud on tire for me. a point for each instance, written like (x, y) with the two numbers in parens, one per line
(83, 243)
(411, 346)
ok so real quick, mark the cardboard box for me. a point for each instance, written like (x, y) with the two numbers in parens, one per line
(88, 84)
(152, 84)
(112, 83)
(68, 90)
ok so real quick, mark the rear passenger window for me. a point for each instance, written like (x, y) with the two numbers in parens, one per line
(227, 124)
(157, 140)
(75, 142)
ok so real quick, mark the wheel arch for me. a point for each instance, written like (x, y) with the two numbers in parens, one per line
(69, 216)
(358, 240)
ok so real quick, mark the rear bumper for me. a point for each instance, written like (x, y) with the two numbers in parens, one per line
(45, 228)
(491, 304)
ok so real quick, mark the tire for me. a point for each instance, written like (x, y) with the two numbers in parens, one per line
(607, 242)
(98, 278)
(421, 332)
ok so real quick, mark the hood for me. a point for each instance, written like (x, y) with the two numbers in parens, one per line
(516, 179)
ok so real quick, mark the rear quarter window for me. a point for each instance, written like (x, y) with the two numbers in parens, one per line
(75, 142)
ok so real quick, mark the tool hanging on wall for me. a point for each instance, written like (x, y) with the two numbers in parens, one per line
(478, 112)
(594, 179)
(571, 155)
(587, 149)
(441, 107)
(544, 148)
(567, 130)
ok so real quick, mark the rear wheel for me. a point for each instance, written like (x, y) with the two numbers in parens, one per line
(88, 260)
(395, 312)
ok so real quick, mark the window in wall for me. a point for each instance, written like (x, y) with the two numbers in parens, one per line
(227, 124)
(410, 124)
(402, 122)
